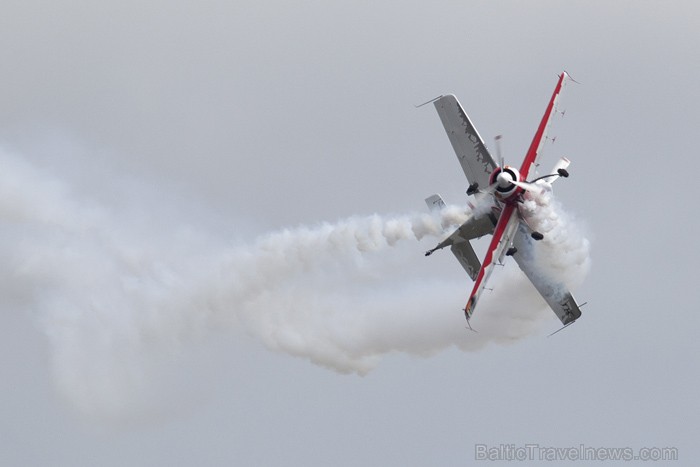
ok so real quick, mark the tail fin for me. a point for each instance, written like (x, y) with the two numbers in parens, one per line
(435, 202)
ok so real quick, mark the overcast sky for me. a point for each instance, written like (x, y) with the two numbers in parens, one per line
(220, 122)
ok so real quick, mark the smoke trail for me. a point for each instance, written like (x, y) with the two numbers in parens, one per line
(114, 293)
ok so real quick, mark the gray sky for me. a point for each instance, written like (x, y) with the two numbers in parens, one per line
(233, 119)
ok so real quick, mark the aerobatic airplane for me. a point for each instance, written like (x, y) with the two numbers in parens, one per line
(504, 188)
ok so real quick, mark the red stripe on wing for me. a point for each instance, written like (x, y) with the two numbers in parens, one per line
(531, 155)
(488, 259)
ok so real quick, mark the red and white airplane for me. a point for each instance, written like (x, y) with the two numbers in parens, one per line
(504, 188)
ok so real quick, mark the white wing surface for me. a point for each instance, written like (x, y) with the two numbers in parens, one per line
(471, 151)
(536, 146)
(503, 234)
(554, 292)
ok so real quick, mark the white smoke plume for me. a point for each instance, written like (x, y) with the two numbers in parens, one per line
(111, 292)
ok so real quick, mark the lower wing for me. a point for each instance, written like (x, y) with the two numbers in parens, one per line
(555, 293)
(503, 234)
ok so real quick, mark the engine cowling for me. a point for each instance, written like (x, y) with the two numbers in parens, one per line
(504, 177)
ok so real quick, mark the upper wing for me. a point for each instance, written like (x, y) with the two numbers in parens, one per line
(502, 236)
(471, 151)
(555, 293)
(536, 145)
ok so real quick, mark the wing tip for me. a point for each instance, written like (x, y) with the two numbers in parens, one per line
(469, 309)
(566, 75)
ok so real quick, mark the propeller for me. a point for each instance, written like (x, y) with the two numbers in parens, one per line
(497, 142)
(505, 178)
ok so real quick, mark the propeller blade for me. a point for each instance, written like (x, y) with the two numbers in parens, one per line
(497, 141)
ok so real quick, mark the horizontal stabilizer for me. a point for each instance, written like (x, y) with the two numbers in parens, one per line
(467, 258)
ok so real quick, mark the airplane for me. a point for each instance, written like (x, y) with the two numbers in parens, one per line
(499, 191)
